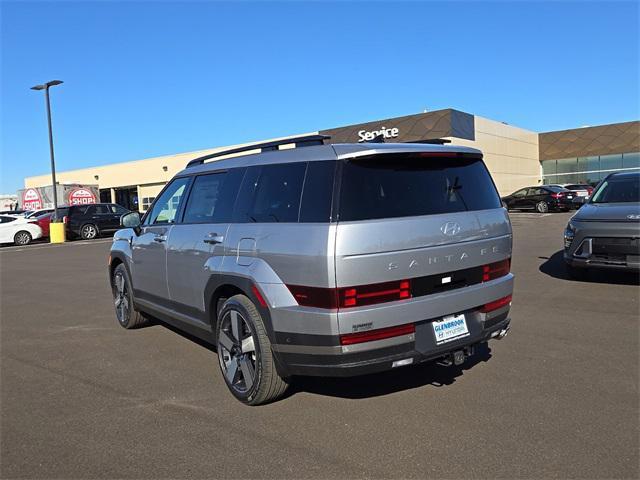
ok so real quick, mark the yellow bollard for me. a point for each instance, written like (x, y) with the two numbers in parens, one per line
(56, 232)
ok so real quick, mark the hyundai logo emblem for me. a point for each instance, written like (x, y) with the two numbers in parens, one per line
(450, 228)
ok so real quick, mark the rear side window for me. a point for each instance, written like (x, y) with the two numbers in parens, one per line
(271, 193)
(317, 192)
(6, 219)
(401, 185)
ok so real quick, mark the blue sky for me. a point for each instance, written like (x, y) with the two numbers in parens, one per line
(155, 78)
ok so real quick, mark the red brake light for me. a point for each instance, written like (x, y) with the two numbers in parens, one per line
(496, 270)
(495, 305)
(379, 334)
(348, 297)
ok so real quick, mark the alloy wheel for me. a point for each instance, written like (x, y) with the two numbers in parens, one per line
(89, 232)
(237, 352)
(121, 298)
(22, 238)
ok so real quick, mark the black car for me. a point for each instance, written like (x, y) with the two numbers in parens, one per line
(90, 221)
(542, 198)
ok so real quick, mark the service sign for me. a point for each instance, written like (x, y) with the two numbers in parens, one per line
(81, 196)
(31, 199)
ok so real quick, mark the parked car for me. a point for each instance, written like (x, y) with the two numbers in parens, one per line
(18, 230)
(330, 260)
(43, 221)
(543, 198)
(91, 221)
(37, 213)
(18, 212)
(605, 232)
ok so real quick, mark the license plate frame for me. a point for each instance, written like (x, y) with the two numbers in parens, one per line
(450, 328)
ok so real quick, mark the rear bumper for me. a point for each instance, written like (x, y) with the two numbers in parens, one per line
(416, 348)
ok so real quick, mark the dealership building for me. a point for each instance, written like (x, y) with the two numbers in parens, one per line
(516, 157)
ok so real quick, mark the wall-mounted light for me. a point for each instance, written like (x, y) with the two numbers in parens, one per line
(96, 177)
(165, 168)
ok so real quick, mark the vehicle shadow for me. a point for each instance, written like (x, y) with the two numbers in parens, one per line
(555, 267)
(373, 385)
(385, 383)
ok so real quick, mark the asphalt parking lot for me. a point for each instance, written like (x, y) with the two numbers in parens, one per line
(83, 398)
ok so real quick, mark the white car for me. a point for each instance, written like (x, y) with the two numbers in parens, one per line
(18, 230)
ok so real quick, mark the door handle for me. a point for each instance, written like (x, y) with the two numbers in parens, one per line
(213, 238)
(160, 238)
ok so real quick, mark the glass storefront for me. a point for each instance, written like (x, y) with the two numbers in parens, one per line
(588, 169)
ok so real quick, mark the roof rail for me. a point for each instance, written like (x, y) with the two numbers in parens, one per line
(306, 141)
(431, 141)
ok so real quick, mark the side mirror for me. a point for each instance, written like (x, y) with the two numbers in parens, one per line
(131, 220)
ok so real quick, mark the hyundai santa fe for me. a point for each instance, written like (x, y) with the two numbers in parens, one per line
(327, 260)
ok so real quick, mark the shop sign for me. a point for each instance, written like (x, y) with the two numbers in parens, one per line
(31, 199)
(81, 196)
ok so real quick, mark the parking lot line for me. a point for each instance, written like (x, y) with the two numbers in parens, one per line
(43, 246)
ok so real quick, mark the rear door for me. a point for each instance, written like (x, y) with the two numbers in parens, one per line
(196, 244)
(404, 216)
(148, 250)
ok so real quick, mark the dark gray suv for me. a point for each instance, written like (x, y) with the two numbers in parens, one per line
(321, 259)
(605, 232)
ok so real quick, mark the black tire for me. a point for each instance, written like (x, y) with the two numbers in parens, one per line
(577, 273)
(542, 207)
(128, 317)
(250, 373)
(89, 231)
(22, 238)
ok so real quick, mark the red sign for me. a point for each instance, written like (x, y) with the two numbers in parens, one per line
(31, 199)
(81, 196)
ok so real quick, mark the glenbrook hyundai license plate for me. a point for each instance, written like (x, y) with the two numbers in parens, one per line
(450, 328)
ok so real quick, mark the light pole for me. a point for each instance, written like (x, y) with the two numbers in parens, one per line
(46, 87)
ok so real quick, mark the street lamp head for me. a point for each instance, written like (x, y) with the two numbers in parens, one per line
(47, 85)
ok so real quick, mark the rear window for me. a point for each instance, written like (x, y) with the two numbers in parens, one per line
(389, 186)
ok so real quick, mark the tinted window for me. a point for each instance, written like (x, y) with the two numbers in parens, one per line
(212, 197)
(520, 193)
(165, 208)
(388, 186)
(618, 189)
(271, 193)
(7, 219)
(556, 189)
(102, 209)
(118, 209)
(317, 192)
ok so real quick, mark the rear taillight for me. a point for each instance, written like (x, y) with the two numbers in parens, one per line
(65, 219)
(496, 270)
(348, 297)
(495, 305)
(376, 293)
(379, 334)
(558, 195)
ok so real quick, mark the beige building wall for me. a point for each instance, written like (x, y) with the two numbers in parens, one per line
(148, 175)
(511, 153)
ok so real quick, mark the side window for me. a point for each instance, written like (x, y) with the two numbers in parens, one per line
(118, 209)
(520, 193)
(212, 197)
(201, 206)
(317, 192)
(166, 206)
(101, 209)
(271, 193)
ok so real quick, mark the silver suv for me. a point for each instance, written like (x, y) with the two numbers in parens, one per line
(328, 260)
